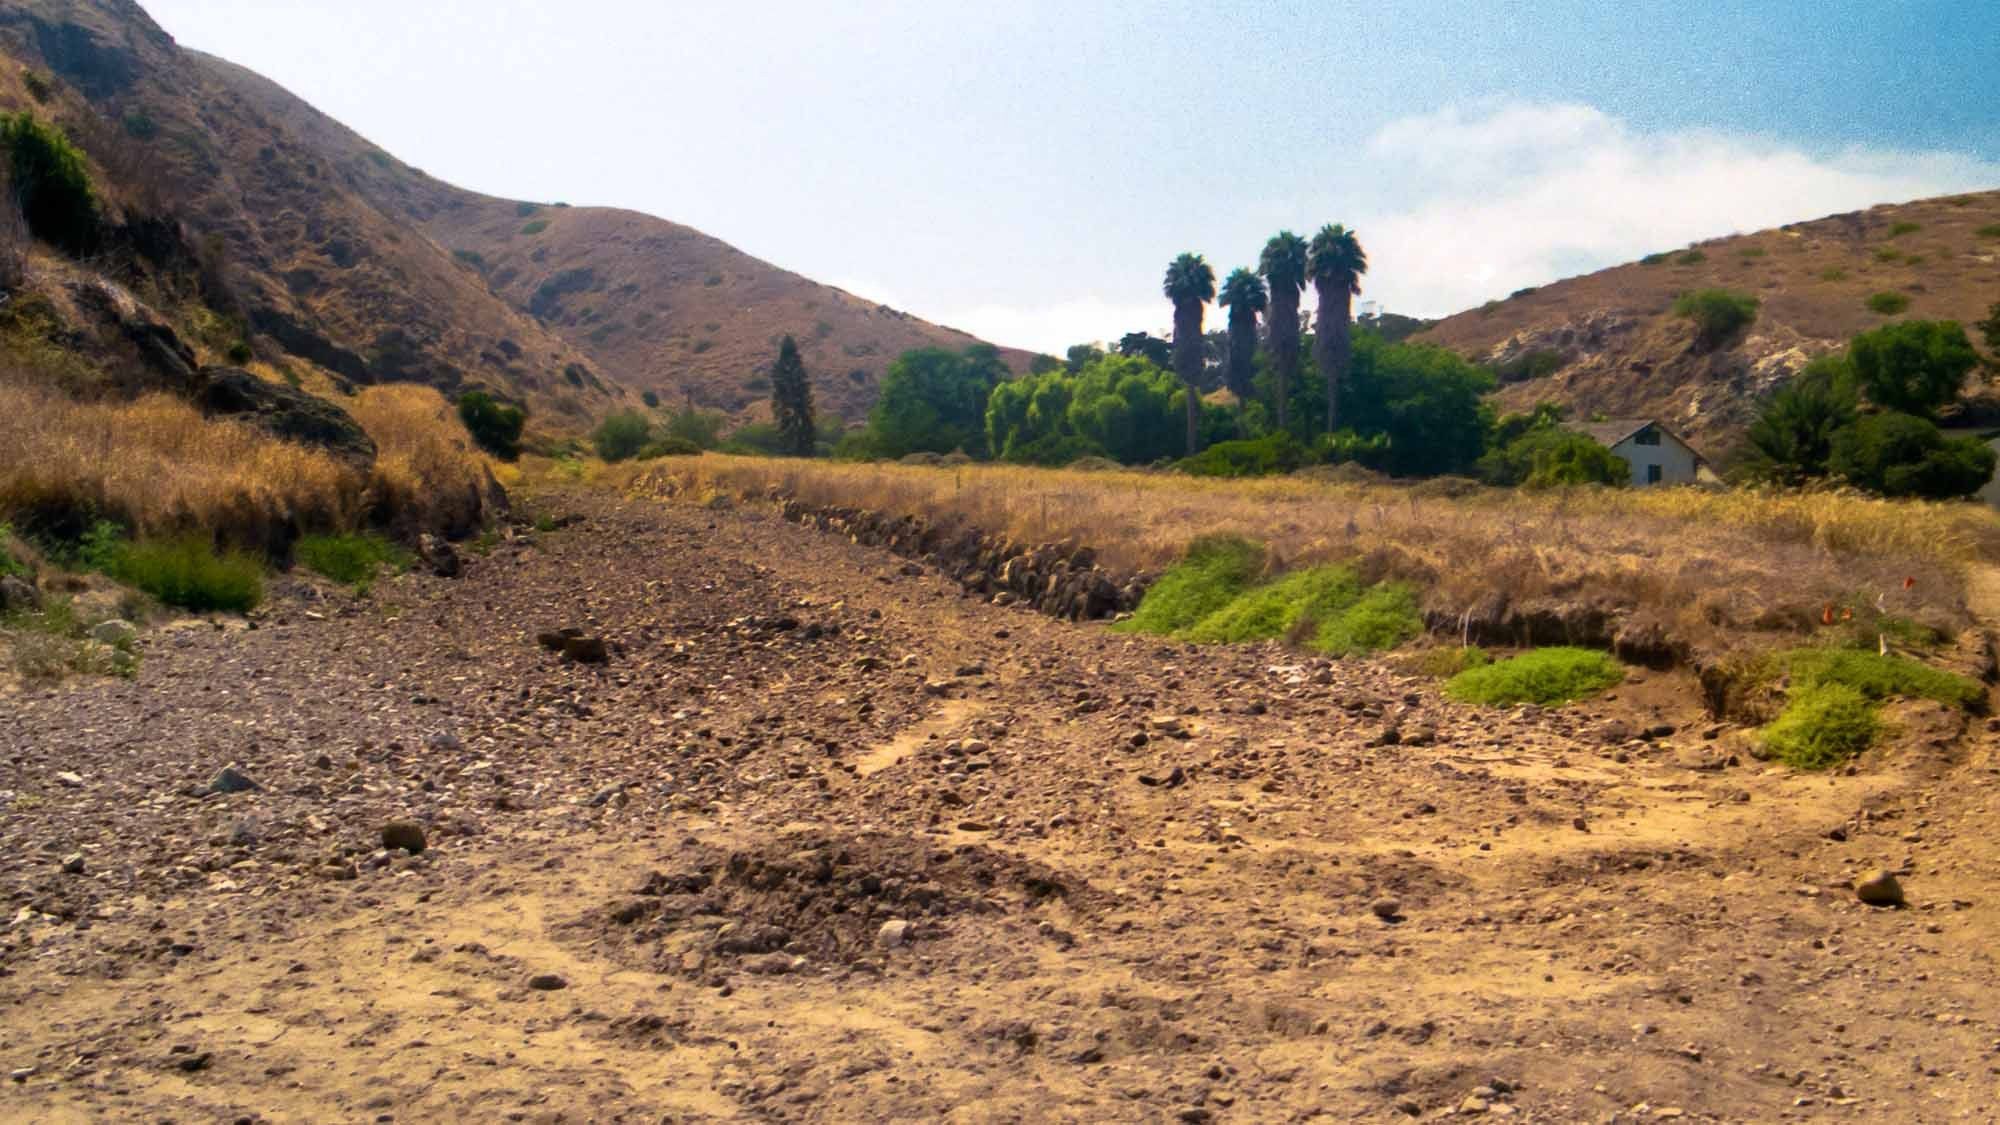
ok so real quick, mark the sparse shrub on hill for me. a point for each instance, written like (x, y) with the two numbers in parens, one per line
(1900, 228)
(1718, 314)
(1990, 230)
(1989, 329)
(494, 425)
(1690, 258)
(651, 399)
(668, 447)
(536, 227)
(621, 435)
(354, 559)
(51, 182)
(1888, 302)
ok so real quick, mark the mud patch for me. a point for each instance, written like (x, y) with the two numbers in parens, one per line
(810, 902)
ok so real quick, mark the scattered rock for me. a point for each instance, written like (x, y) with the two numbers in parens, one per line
(1173, 780)
(231, 780)
(575, 645)
(72, 864)
(17, 596)
(547, 982)
(115, 633)
(439, 555)
(893, 934)
(1387, 909)
(405, 835)
(1879, 888)
(69, 780)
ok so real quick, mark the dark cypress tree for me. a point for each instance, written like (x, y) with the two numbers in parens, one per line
(792, 401)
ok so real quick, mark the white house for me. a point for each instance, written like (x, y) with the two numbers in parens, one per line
(1657, 455)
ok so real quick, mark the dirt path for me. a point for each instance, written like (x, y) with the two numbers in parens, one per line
(825, 841)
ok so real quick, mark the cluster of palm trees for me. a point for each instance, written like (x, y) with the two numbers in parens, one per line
(1333, 261)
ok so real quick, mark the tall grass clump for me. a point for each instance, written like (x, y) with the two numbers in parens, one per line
(1215, 569)
(427, 476)
(352, 559)
(1544, 676)
(188, 572)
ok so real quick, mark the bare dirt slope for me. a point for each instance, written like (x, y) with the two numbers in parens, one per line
(798, 741)
(1622, 353)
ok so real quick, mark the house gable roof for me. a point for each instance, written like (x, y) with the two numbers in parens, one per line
(1611, 431)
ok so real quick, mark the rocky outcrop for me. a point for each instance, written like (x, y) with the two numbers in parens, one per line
(1060, 579)
(286, 412)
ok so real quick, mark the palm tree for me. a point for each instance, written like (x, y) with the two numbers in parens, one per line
(1190, 285)
(1284, 268)
(1243, 293)
(1336, 262)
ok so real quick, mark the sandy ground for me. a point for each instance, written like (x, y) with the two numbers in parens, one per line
(825, 840)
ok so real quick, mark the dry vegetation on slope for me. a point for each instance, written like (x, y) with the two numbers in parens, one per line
(659, 306)
(1622, 352)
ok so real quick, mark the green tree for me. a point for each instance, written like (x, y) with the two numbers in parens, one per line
(1283, 265)
(1147, 346)
(51, 183)
(792, 401)
(1914, 366)
(1425, 401)
(1904, 455)
(1190, 285)
(1792, 437)
(698, 427)
(1548, 456)
(621, 435)
(1244, 295)
(1080, 355)
(1718, 314)
(1123, 407)
(1043, 364)
(1336, 262)
(495, 427)
(934, 401)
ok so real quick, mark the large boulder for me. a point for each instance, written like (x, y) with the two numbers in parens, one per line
(285, 412)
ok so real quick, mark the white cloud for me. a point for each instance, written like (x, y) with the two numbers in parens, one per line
(1471, 204)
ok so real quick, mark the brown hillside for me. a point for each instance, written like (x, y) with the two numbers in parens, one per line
(1622, 352)
(661, 306)
(321, 273)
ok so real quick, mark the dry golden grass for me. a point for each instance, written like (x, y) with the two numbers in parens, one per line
(428, 476)
(1702, 563)
(157, 464)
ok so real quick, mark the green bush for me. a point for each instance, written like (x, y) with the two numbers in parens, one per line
(51, 181)
(1544, 676)
(1899, 229)
(1659, 259)
(1915, 366)
(668, 447)
(1717, 314)
(536, 227)
(1990, 230)
(1255, 457)
(496, 427)
(353, 559)
(1877, 676)
(1214, 570)
(1690, 258)
(9, 565)
(622, 435)
(1274, 609)
(1444, 663)
(1888, 302)
(1382, 618)
(1549, 456)
(1833, 273)
(188, 572)
(1528, 365)
(1903, 455)
(1822, 726)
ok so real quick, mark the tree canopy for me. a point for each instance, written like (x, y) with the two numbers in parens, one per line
(1915, 366)
(934, 401)
(792, 401)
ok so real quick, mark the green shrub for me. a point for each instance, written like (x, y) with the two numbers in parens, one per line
(1256, 457)
(9, 565)
(1215, 569)
(1548, 456)
(1659, 259)
(651, 399)
(1690, 258)
(1274, 609)
(1382, 618)
(1822, 726)
(668, 447)
(536, 227)
(1717, 314)
(239, 353)
(39, 86)
(1899, 229)
(622, 435)
(1888, 302)
(1752, 252)
(496, 427)
(1877, 676)
(1902, 455)
(1544, 676)
(524, 210)
(353, 559)
(52, 183)
(1528, 365)
(188, 572)
(1990, 230)
(1444, 663)
(1834, 273)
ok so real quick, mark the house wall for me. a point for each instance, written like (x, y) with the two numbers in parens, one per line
(1676, 461)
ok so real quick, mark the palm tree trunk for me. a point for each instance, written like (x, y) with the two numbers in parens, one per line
(1333, 345)
(1242, 352)
(1284, 328)
(1187, 364)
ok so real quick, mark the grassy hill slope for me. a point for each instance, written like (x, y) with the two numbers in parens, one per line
(661, 306)
(1609, 343)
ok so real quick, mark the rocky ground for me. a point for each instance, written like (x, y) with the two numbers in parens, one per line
(823, 839)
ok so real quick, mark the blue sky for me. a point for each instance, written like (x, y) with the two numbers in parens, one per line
(1025, 170)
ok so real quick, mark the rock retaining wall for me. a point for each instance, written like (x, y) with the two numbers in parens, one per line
(1059, 579)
